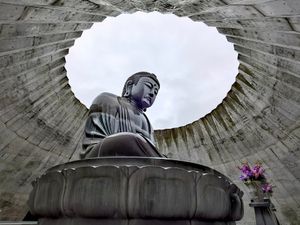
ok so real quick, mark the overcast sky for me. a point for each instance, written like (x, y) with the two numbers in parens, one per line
(195, 64)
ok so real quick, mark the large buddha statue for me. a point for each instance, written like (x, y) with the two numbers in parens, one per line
(131, 190)
(118, 126)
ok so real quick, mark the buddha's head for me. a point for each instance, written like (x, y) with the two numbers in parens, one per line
(141, 88)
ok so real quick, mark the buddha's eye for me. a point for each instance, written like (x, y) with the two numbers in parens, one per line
(149, 85)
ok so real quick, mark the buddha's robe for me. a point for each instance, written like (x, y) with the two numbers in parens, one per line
(115, 127)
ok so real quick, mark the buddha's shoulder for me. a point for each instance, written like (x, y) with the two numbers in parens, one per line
(105, 97)
(105, 102)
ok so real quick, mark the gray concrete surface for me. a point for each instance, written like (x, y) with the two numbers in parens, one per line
(41, 120)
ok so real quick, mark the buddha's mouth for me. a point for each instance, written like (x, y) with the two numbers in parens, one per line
(148, 100)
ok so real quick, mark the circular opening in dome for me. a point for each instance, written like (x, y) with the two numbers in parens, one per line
(195, 64)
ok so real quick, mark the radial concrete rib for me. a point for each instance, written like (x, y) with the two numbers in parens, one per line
(41, 121)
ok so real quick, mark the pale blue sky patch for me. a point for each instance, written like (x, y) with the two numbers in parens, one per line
(195, 64)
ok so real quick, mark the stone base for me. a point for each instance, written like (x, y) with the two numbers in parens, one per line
(82, 221)
(135, 190)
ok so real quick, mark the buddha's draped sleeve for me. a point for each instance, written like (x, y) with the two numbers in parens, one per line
(106, 117)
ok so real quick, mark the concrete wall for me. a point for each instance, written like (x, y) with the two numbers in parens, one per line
(41, 120)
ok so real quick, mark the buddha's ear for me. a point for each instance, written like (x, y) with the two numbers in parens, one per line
(128, 87)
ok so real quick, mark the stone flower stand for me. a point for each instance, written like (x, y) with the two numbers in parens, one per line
(134, 191)
(263, 207)
(264, 212)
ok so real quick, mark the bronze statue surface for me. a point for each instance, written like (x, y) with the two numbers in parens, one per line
(118, 126)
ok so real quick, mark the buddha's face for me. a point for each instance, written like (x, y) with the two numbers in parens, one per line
(144, 92)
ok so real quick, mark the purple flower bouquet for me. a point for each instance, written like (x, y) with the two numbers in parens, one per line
(254, 177)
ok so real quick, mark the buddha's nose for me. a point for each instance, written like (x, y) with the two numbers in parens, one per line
(151, 94)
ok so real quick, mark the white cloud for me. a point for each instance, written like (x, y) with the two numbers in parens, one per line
(195, 64)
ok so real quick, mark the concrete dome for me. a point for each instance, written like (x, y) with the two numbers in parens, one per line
(41, 121)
